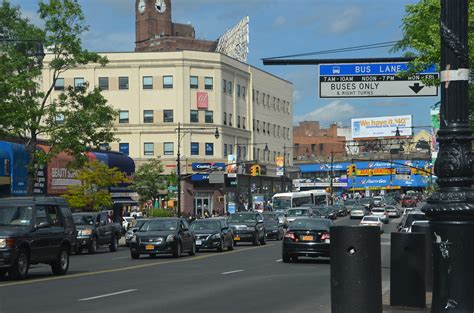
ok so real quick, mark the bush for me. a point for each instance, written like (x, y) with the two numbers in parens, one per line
(161, 213)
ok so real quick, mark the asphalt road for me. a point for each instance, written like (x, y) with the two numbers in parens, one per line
(248, 279)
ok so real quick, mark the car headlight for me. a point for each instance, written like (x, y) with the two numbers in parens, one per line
(86, 232)
(215, 236)
(170, 238)
(3, 243)
(129, 234)
(134, 238)
(250, 228)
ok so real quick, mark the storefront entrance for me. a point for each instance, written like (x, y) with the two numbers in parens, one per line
(203, 204)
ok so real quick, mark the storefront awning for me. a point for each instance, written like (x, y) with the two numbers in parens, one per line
(124, 200)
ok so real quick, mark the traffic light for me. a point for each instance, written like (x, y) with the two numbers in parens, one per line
(351, 170)
(255, 170)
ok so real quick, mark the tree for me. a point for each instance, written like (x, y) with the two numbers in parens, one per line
(421, 37)
(149, 180)
(76, 120)
(93, 192)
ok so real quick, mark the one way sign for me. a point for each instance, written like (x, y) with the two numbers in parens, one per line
(373, 80)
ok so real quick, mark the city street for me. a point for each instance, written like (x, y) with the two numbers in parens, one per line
(248, 279)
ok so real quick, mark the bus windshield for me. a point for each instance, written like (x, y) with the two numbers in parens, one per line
(281, 203)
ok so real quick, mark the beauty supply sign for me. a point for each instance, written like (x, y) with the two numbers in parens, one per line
(385, 126)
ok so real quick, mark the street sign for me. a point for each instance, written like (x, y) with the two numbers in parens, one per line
(216, 177)
(373, 80)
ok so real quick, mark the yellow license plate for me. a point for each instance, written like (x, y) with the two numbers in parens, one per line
(307, 238)
(237, 238)
(149, 247)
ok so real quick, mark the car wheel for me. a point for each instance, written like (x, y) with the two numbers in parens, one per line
(135, 255)
(20, 268)
(286, 258)
(263, 241)
(61, 264)
(92, 248)
(193, 250)
(221, 246)
(114, 244)
(232, 244)
(256, 241)
(177, 251)
(3, 273)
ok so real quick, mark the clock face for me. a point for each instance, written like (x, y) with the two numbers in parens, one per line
(141, 6)
(160, 6)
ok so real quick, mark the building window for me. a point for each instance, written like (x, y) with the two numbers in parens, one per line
(238, 121)
(224, 121)
(230, 87)
(167, 81)
(225, 149)
(78, 82)
(224, 86)
(147, 82)
(193, 82)
(209, 148)
(231, 149)
(104, 147)
(123, 83)
(168, 148)
(230, 119)
(148, 116)
(123, 117)
(268, 129)
(268, 100)
(243, 123)
(238, 152)
(208, 83)
(279, 131)
(59, 84)
(264, 127)
(258, 126)
(194, 148)
(168, 116)
(194, 116)
(253, 94)
(59, 118)
(209, 116)
(124, 148)
(103, 83)
(243, 92)
(148, 148)
(258, 95)
(263, 99)
(238, 90)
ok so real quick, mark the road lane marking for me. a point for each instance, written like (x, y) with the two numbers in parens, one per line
(279, 260)
(108, 295)
(232, 272)
(129, 268)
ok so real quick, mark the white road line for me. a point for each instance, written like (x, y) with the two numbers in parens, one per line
(232, 272)
(279, 260)
(108, 295)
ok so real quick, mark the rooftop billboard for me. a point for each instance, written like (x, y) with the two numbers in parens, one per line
(385, 126)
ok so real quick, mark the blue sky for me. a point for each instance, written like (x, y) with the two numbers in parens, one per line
(277, 27)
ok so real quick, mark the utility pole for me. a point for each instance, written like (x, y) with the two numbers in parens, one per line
(331, 177)
(283, 178)
(450, 209)
(178, 170)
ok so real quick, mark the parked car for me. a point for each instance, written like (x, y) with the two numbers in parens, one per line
(248, 227)
(372, 220)
(368, 202)
(393, 211)
(358, 212)
(95, 229)
(212, 233)
(409, 218)
(382, 213)
(409, 202)
(35, 230)
(307, 237)
(274, 230)
(167, 235)
(129, 234)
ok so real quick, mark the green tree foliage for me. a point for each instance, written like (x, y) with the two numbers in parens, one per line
(149, 180)
(421, 37)
(93, 193)
(161, 213)
(75, 120)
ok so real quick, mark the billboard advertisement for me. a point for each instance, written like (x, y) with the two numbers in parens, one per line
(385, 126)
(231, 163)
(280, 164)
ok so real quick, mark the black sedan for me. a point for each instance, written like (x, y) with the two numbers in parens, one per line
(274, 228)
(163, 236)
(307, 237)
(213, 234)
(328, 212)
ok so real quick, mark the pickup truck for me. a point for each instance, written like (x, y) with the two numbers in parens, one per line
(95, 229)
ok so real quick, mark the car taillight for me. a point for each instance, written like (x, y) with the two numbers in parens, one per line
(325, 236)
(291, 236)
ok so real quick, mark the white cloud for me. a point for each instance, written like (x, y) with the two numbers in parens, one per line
(279, 22)
(336, 111)
(346, 20)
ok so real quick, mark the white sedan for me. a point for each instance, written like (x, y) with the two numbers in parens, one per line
(372, 220)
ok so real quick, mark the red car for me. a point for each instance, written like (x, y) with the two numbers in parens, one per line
(409, 202)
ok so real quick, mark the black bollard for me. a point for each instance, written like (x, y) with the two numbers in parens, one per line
(356, 270)
(425, 228)
(407, 270)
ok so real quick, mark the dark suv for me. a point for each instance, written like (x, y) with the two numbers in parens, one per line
(35, 230)
(248, 227)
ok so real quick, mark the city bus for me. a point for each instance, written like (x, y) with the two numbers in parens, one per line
(319, 196)
(288, 200)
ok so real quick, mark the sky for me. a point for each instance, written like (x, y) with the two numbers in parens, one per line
(277, 28)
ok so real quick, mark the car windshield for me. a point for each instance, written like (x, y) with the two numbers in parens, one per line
(16, 216)
(299, 212)
(390, 208)
(140, 223)
(359, 208)
(269, 216)
(371, 219)
(242, 217)
(281, 203)
(310, 224)
(83, 219)
(378, 210)
(206, 225)
(159, 225)
(270, 222)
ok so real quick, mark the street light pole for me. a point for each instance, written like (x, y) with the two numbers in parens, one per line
(283, 178)
(451, 208)
(178, 170)
(331, 177)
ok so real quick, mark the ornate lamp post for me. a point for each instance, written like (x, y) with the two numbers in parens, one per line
(451, 208)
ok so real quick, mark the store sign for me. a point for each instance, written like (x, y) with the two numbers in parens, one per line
(40, 184)
(199, 177)
(280, 164)
(385, 126)
(375, 171)
(231, 163)
(202, 100)
(63, 177)
(208, 166)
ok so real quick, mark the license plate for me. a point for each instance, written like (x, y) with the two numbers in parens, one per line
(327, 241)
(149, 247)
(307, 238)
(237, 238)
(198, 242)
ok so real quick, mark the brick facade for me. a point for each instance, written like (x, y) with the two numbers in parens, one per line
(310, 140)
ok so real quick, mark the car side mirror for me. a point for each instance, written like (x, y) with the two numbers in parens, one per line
(225, 228)
(42, 225)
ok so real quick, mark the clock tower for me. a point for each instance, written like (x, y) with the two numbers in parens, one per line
(152, 20)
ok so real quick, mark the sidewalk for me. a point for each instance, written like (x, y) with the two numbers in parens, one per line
(388, 309)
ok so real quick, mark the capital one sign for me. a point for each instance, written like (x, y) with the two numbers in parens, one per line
(202, 100)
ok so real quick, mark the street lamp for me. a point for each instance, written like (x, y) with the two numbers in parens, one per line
(178, 160)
